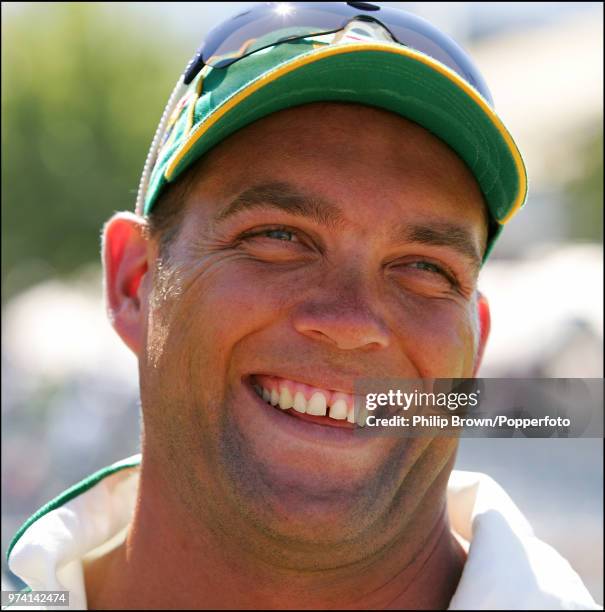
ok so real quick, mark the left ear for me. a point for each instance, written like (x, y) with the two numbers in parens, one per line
(484, 328)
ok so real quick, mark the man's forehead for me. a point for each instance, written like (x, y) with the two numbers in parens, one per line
(351, 136)
(308, 128)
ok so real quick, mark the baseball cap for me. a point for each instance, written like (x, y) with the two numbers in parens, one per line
(432, 82)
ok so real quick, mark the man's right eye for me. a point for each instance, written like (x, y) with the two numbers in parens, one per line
(282, 234)
(279, 234)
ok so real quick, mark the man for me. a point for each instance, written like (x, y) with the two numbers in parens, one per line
(320, 195)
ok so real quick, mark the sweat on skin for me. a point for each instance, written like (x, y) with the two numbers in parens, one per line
(312, 251)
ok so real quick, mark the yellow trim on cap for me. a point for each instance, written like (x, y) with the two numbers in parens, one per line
(192, 103)
(350, 48)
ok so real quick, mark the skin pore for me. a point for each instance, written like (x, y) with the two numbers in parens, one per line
(319, 251)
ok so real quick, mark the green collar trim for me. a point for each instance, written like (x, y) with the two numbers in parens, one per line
(72, 492)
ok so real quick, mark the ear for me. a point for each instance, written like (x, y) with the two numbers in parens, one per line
(485, 322)
(125, 257)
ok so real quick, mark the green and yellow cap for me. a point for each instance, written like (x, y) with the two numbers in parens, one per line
(220, 101)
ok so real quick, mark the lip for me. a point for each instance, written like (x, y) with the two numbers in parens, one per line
(293, 423)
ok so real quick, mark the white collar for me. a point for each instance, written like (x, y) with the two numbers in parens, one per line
(507, 566)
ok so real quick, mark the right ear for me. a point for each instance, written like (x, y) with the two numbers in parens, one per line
(485, 323)
(125, 264)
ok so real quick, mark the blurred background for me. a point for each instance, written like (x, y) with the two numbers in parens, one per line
(83, 87)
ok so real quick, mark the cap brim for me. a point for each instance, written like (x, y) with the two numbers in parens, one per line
(384, 75)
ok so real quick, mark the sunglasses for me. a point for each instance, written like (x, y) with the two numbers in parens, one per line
(270, 23)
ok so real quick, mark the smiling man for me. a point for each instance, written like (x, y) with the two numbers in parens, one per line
(313, 211)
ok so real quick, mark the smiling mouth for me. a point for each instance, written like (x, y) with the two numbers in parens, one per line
(313, 404)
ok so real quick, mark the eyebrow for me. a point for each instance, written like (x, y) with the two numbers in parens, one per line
(286, 197)
(442, 233)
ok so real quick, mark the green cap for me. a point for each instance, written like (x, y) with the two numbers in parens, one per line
(220, 101)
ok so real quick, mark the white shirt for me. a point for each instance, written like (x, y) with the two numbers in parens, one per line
(507, 567)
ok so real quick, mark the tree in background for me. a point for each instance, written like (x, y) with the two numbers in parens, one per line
(83, 88)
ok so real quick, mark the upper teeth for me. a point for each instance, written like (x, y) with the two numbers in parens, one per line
(305, 399)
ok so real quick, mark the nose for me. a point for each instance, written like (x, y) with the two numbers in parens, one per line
(343, 315)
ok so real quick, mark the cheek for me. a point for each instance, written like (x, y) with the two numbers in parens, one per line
(439, 337)
(240, 300)
(189, 352)
(218, 308)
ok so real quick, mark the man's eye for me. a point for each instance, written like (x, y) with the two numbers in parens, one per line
(426, 272)
(279, 234)
(282, 234)
(428, 266)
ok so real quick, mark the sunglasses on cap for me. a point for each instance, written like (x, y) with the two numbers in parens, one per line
(270, 23)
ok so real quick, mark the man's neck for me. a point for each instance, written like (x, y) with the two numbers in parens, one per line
(162, 565)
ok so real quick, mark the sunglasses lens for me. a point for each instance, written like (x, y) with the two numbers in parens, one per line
(251, 29)
(271, 22)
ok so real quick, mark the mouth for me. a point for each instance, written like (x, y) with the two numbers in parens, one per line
(317, 405)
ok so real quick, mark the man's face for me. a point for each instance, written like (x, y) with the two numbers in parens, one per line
(320, 245)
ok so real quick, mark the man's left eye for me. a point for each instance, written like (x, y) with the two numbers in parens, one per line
(433, 272)
(426, 265)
